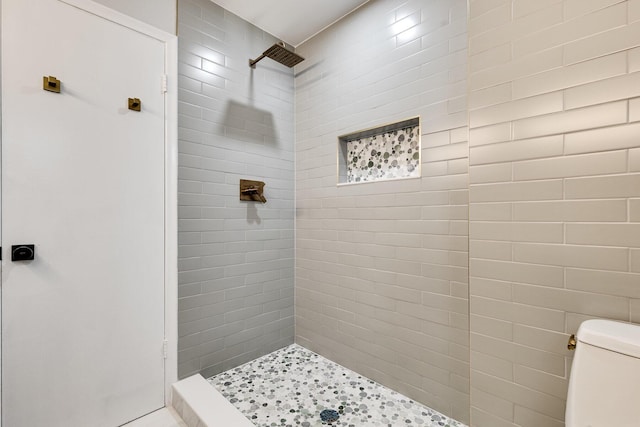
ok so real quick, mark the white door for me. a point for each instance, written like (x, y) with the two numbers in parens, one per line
(82, 180)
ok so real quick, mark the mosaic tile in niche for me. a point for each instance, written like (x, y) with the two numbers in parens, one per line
(387, 155)
(293, 386)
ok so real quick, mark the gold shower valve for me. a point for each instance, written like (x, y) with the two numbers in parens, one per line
(252, 191)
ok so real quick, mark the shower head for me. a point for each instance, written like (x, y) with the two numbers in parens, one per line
(278, 52)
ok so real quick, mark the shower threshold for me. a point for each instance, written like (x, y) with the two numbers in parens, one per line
(294, 387)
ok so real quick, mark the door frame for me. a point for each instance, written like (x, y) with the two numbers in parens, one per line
(170, 185)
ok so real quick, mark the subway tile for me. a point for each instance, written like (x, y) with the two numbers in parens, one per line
(624, 235)
(479, 7)
(605, 139)
(635, 310)
(523, 7)
(526, 417)
(517, 28)
(205, 65)
(541, 339)
(634, 110)
(600, 266)
(490, 250)
(574, 120)
(518, 68)
(496, 348)
(493, 309)
(500, 54)
(601, 44)
(539, 317)
(571, 211)
(634, 11)
(489, 288)
(482, 174)
(490, 134)
(500, 407)
(520, 395)
(490, 96)
(572, 255)
(522, 108)
(612, 89)
(583, 26)
(571, 301)
(543, 275)
(604, 187)
(603, 282)
(633, 58)
(459, 134)
(575, 8)
(498, 16)
(457, 166)
(516, 191)
(517, 231)
(571, 166)
(570, 76)
(446, 152)
(517, 150)
(634, 210)
(485, 418)
(545, 361)
(435, 139)
(445, 302)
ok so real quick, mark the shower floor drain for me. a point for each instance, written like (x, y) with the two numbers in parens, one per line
(329, 415)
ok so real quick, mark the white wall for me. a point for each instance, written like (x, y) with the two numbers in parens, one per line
(235, 258)
(381, 268)
(159, 13)
(554, 194)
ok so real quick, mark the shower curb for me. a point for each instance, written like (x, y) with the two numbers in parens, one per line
(199, 404)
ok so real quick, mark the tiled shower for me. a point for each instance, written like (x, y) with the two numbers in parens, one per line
(236, 258)
(459, 288)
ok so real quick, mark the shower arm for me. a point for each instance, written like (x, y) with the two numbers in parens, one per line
(253, 62)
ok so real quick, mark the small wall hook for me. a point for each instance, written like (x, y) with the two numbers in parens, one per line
(252, 191)
(135, 104)
(51, 84)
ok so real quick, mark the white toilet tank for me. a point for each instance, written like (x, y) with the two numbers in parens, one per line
(604, 386)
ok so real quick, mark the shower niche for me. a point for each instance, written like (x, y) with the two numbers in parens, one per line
(382, 153)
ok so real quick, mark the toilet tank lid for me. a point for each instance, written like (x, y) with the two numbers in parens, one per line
(615, 336)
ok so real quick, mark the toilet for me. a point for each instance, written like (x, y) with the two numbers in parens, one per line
(604, 385)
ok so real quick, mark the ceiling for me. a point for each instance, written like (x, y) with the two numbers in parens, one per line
(292, 21)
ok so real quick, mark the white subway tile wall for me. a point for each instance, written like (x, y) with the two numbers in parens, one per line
(235, 258)
(381, 268)
(553, 113)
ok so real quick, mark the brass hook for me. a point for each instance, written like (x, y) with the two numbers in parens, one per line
(51, 84)
(135, 104)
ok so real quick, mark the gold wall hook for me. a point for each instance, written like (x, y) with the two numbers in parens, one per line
(251, 191)
(51, 84)
(135, 104)
(571, 345)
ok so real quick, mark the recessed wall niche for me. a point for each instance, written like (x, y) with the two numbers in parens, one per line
(382, 153)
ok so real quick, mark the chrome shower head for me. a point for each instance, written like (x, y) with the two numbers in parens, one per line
(278, 52)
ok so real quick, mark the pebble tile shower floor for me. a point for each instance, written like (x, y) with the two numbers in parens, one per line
(293, 386)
